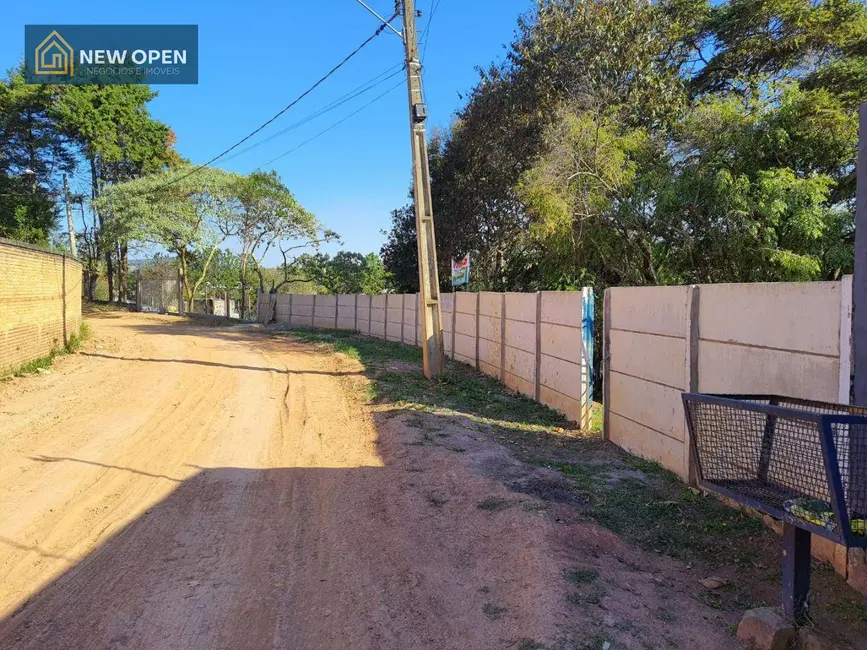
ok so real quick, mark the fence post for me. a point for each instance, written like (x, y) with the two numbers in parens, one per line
(385, 320)
(478, 298)
(454, 320)
(402, 315)
(180, 293)
(588, 306)
(355, 311)
(537, 389)
(859, 282)
(845, 392)
(417, 310)
(313, 318)
(228, 312)
(336, 309)
(606, 364)
(503, 337)
(693, 306)
(138, 291)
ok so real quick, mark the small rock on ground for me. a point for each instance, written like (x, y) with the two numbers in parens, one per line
(766, 628)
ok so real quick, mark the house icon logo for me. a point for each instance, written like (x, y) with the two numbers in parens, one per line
(54, 56)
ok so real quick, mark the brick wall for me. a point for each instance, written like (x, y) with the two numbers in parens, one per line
(40, 303)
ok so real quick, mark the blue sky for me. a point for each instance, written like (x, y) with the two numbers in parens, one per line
(255, 56)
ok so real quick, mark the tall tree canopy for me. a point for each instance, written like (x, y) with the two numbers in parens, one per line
(637, 142)
(33, 151)
(192, 214)
(48, 132)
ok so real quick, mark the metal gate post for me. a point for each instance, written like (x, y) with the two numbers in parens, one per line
(180, 293)
(796, 572)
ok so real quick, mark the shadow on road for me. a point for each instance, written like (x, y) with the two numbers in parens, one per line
(227, 560)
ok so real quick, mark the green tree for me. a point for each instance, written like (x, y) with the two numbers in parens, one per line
(270, 217)
(190, 215)
(627, 142)
(399, 254)
(32, 152)
(120, 141)
(346, 272)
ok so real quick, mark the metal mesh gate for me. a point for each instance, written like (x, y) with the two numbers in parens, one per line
(159, 296)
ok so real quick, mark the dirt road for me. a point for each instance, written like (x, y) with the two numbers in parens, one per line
(176, 486)
(179, 486)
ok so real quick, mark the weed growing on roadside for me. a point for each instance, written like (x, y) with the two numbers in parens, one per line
(494, 504)
(43, 363)
(493, 611)
(582, 576)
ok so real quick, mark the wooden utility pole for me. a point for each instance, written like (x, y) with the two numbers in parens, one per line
(859, 282)
(69, 225)
(428, 279)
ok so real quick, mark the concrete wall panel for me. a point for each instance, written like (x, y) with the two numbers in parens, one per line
(802, 316)
(466, 347)
(520, 335)
(724, 368)
(489, 328)
(648, 444)
(521, 306)
(520, 384)
(655, 310)
(302, 299)
(465, 324)
(568, 406)
(562, 341)
(560, 375)
(409, 304)
(488, 369)
(490, 304)
(466, 302)
(562, 307)
(521, 364)
(394, 330)
(657, 358)
(655, 406)
(302, 321)
(489, 353)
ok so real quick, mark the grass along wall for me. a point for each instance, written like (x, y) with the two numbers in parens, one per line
(532, 342)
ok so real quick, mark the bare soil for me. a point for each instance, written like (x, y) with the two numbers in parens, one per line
(181, 486)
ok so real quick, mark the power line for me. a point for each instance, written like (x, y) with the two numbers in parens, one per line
(283, 110)
(424, 34)
(352, 94)
(339, 122)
